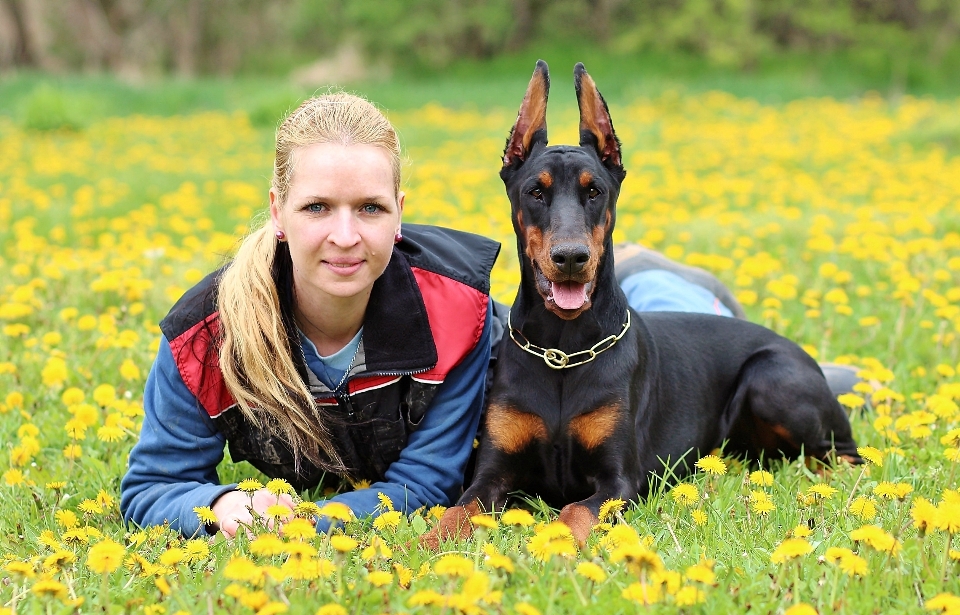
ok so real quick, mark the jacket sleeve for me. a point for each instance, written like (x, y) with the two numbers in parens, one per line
(173, 466)
(430, 468)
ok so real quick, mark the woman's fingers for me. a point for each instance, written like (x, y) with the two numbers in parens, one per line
(233, 509)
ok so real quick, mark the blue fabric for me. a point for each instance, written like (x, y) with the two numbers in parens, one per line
(173, 466)
(330, 370)
(656, 290)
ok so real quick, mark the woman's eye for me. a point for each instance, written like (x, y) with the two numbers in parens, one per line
(371, 208)
(315, 207)
(537, 193)
(593, 193)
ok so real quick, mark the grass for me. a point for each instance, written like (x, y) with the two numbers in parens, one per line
(835, 221)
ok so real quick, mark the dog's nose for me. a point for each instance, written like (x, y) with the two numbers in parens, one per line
(570, 258)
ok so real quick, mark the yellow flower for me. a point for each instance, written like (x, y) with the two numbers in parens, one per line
(517, 516)
(453, 565)
(205, 514)
(801, 609)
(643, 593)
(591, 571)
(699, 517)
(279, 511)
(240, 568)
(484, 521)
(267, 545)
(638, 558)
(385, 502)
(129, 370)
(607, 509)
(495, 559)
(892, 491)
(790, 548)
(871, 454)
(711, 464)
(702, 572)
(380, 578)
(685, 494)
(876, 538)
(278, 486)
(49, 588)
(332, 609)
(851, 400)
(249, 485)
(761, 478)
(948, 603)
(688, 595)
(524, 608)
(390, 519)
(343, 544)
(864, 508)
(299, 529)
(822, 491)
(105, 556)
(336, 510)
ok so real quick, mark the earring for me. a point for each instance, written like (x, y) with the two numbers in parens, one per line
(397, 238)
(281, 236)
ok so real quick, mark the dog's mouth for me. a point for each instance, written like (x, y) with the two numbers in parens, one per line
(567, 295)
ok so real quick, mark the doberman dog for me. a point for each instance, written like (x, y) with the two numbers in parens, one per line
(590, 399)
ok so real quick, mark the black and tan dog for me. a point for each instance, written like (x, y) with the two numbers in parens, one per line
(591, 399)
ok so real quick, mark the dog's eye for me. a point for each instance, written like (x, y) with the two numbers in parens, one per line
(593, 193)
(536, 193)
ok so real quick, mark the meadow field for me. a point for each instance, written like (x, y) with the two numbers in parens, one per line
(836, 221)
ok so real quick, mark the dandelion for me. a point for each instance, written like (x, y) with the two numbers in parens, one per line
(876, 538)
(306, 509)
(608, 509)
(240, 568)
(390, 519)
(453, 565)
(385, 502)
(702, 572)
(822, 491)
(699, 517)
(643, 593)
(947, 603)
(801, 608)
(267, 545)
(495, 559)
(336, 510)
(278, 511)
(343, 544)
(249, 485)
(205, 514)
(524, 608)
(49, 588)
(892, 491)
(105, 556)
(790, 548)
(278, 486)
(591, 571)
(299, 529)
(711, 464)
(864, 508)
(685, 494)
(380, 578)
(871, 455)
(761, 478)
(517, 516)
(851, 400)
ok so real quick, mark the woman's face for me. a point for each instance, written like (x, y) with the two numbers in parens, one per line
(340, 218)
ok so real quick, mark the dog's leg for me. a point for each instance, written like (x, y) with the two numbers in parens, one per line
(582, 516)
(791, 407)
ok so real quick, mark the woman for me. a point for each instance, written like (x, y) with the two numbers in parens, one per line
(387, 327)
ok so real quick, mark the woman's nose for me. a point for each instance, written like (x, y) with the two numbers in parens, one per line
(344, 232)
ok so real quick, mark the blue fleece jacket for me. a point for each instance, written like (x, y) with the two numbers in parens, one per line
(173, 467)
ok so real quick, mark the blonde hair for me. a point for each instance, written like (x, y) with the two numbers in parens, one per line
(260, 353)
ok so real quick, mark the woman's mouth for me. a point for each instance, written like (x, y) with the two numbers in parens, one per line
(343, 267)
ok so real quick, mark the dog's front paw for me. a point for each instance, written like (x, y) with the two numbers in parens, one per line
(580, 520)
(454, 525)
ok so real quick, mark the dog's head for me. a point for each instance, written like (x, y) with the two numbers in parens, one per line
(563, 197)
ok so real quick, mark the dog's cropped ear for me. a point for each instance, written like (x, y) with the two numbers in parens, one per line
(531, 126)
(596, 127)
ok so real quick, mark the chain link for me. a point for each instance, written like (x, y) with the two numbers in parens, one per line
(558, 359)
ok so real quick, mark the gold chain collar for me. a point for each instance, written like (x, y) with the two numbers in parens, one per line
(558, 359)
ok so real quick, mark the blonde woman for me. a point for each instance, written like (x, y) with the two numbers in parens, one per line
(337, 342)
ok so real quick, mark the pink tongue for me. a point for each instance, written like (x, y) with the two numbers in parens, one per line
(569, 295)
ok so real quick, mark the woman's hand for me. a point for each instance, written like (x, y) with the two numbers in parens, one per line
(233, 509)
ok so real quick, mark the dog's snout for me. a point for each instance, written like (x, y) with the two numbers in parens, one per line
(570, 258)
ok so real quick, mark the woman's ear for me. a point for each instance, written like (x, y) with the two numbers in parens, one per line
(400, 197)
(275, 211)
